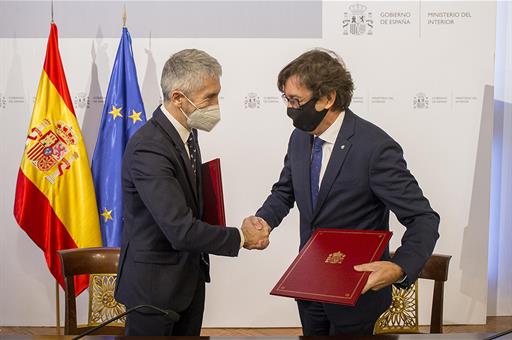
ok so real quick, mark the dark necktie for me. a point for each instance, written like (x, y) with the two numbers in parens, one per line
(316, 165)
(192, 150)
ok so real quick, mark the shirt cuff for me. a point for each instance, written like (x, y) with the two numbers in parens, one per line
(402, 280)
(242, 238)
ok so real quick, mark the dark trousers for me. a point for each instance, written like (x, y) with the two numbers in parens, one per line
(315, 321)
(150, 324)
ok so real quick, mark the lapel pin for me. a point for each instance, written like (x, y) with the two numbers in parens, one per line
(343, 147)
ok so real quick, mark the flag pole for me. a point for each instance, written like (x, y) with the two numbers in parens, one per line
(124, 15)
(57, 307)
(57, 295)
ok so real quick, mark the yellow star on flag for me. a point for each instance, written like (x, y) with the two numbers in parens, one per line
(116, 112)
(135, 116)
(107, 214)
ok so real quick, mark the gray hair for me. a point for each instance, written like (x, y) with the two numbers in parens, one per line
(187, 70)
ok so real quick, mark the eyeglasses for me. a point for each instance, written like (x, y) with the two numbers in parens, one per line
(294, 102)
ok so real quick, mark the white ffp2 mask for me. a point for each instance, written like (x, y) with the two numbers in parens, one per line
(203, 119)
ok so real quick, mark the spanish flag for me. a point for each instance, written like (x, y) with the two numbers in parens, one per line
(55, 202)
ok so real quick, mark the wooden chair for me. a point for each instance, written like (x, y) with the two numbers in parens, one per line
(402, 315)
(101, 264)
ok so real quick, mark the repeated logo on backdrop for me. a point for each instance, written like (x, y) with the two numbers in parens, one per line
(3, 102)
(421, 101)
(81, 100)
(361, 19)
(6, 101)
(252, 101)
(357, 20)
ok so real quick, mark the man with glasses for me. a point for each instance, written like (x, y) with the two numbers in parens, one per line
(165, 245)
(344, 172)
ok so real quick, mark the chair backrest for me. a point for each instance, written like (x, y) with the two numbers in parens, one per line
(402, 314)
(436, 269)
(85, 261)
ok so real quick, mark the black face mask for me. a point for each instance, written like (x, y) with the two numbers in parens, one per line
(306, 117)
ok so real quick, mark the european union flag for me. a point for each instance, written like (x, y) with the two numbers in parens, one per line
(122, 115)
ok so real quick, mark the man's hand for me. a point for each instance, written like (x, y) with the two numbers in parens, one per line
(382, 274)
(256, 232)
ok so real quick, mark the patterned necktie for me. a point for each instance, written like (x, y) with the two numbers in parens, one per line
(316, 165)
(192, 150)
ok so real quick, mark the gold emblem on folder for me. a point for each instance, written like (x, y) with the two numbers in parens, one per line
(335, 258)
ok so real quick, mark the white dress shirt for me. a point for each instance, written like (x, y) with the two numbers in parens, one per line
(329, 137)
(184, 135)
(182, 131)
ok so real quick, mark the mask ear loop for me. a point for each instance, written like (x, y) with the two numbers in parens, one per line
(183, 113)
(194, 105)
(191, 102)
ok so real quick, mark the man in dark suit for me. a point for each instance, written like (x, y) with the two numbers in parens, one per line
(165, 245)
(344, 172)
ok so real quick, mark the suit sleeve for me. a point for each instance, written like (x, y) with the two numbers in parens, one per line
(153, 174)
(397, 188)
(281, 198)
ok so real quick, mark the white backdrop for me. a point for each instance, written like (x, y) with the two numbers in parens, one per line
(423, 71)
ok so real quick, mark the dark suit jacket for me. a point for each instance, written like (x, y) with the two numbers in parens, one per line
(366, 177)
(163, 237)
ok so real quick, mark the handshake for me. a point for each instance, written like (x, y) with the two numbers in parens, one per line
(256, 232)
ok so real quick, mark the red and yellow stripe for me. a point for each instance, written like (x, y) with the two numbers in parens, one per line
(62, 214)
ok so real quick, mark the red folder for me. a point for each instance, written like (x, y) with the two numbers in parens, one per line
(213, 197)
(324, 269)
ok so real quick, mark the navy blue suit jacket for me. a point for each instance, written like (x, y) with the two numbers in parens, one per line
(163, 237)
(366, 177)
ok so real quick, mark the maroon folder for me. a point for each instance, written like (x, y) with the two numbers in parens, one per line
(324, 269)
(213, 197)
